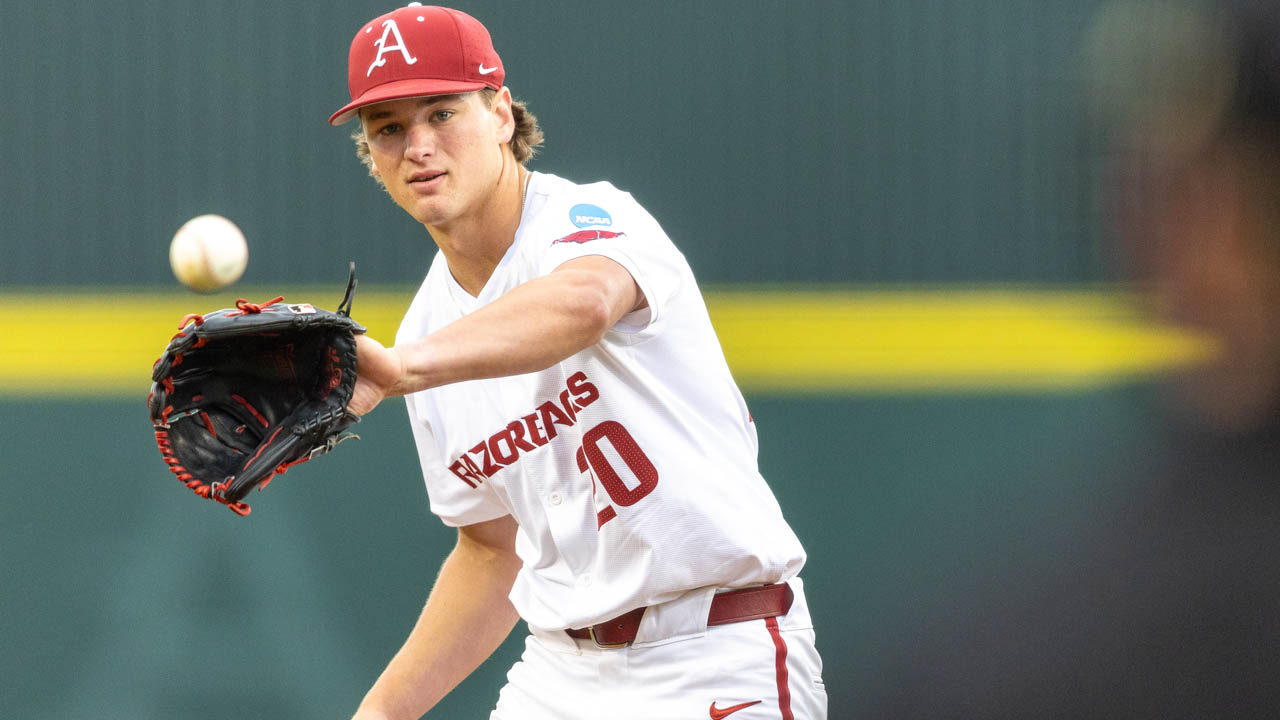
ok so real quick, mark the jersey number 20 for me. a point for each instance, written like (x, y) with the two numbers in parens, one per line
(591, 457)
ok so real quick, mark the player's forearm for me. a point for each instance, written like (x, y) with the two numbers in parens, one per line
(529, 329)
(466, 617)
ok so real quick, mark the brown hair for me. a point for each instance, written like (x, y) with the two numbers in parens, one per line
(524, 140)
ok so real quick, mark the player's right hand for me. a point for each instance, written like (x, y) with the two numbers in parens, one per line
(379, 370)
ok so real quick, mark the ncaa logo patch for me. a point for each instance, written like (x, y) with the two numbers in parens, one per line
(586, 215)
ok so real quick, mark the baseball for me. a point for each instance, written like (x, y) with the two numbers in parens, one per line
(208, 253)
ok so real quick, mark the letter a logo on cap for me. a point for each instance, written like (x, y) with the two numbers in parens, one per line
(390, 27)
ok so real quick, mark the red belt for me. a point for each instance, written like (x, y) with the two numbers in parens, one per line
(733, 606)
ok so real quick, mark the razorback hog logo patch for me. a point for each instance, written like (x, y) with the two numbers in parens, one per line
(587, 236)
(526, 433)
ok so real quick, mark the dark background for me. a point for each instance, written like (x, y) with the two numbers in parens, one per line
(836, 142)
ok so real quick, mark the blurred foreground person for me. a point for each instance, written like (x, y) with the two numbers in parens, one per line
(1169, 606)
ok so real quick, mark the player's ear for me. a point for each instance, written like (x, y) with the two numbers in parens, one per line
(506, 120)
(361, 138)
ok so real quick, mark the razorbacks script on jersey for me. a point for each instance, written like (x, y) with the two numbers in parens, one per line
(631, 466)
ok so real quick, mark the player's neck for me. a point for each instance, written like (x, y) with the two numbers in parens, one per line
(473, 245)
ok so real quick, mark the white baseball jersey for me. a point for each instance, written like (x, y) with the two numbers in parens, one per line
(631, 466)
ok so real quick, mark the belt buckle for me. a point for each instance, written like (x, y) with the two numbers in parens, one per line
(606, 646)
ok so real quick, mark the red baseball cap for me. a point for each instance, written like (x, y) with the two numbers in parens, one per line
(416, 51)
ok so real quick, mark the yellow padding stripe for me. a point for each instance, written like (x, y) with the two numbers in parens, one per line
(943, 340)
(774, 340)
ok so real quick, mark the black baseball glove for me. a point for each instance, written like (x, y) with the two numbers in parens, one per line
(244, 393)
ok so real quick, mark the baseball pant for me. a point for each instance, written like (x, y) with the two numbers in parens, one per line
(752, 670)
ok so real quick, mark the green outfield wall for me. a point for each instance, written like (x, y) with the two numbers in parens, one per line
(893, 204)
(125, 596)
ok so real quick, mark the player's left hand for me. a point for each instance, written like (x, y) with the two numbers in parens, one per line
(242, 394)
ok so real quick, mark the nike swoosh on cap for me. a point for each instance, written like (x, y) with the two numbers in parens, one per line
(721, 713)
(485, 71)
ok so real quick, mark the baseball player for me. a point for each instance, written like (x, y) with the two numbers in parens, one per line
(574, 418)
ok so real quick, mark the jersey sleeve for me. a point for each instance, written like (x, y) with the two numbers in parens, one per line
(607, 222)
(454, 502)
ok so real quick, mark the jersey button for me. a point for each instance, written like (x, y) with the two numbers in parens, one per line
(554, 498)
(585, 580)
